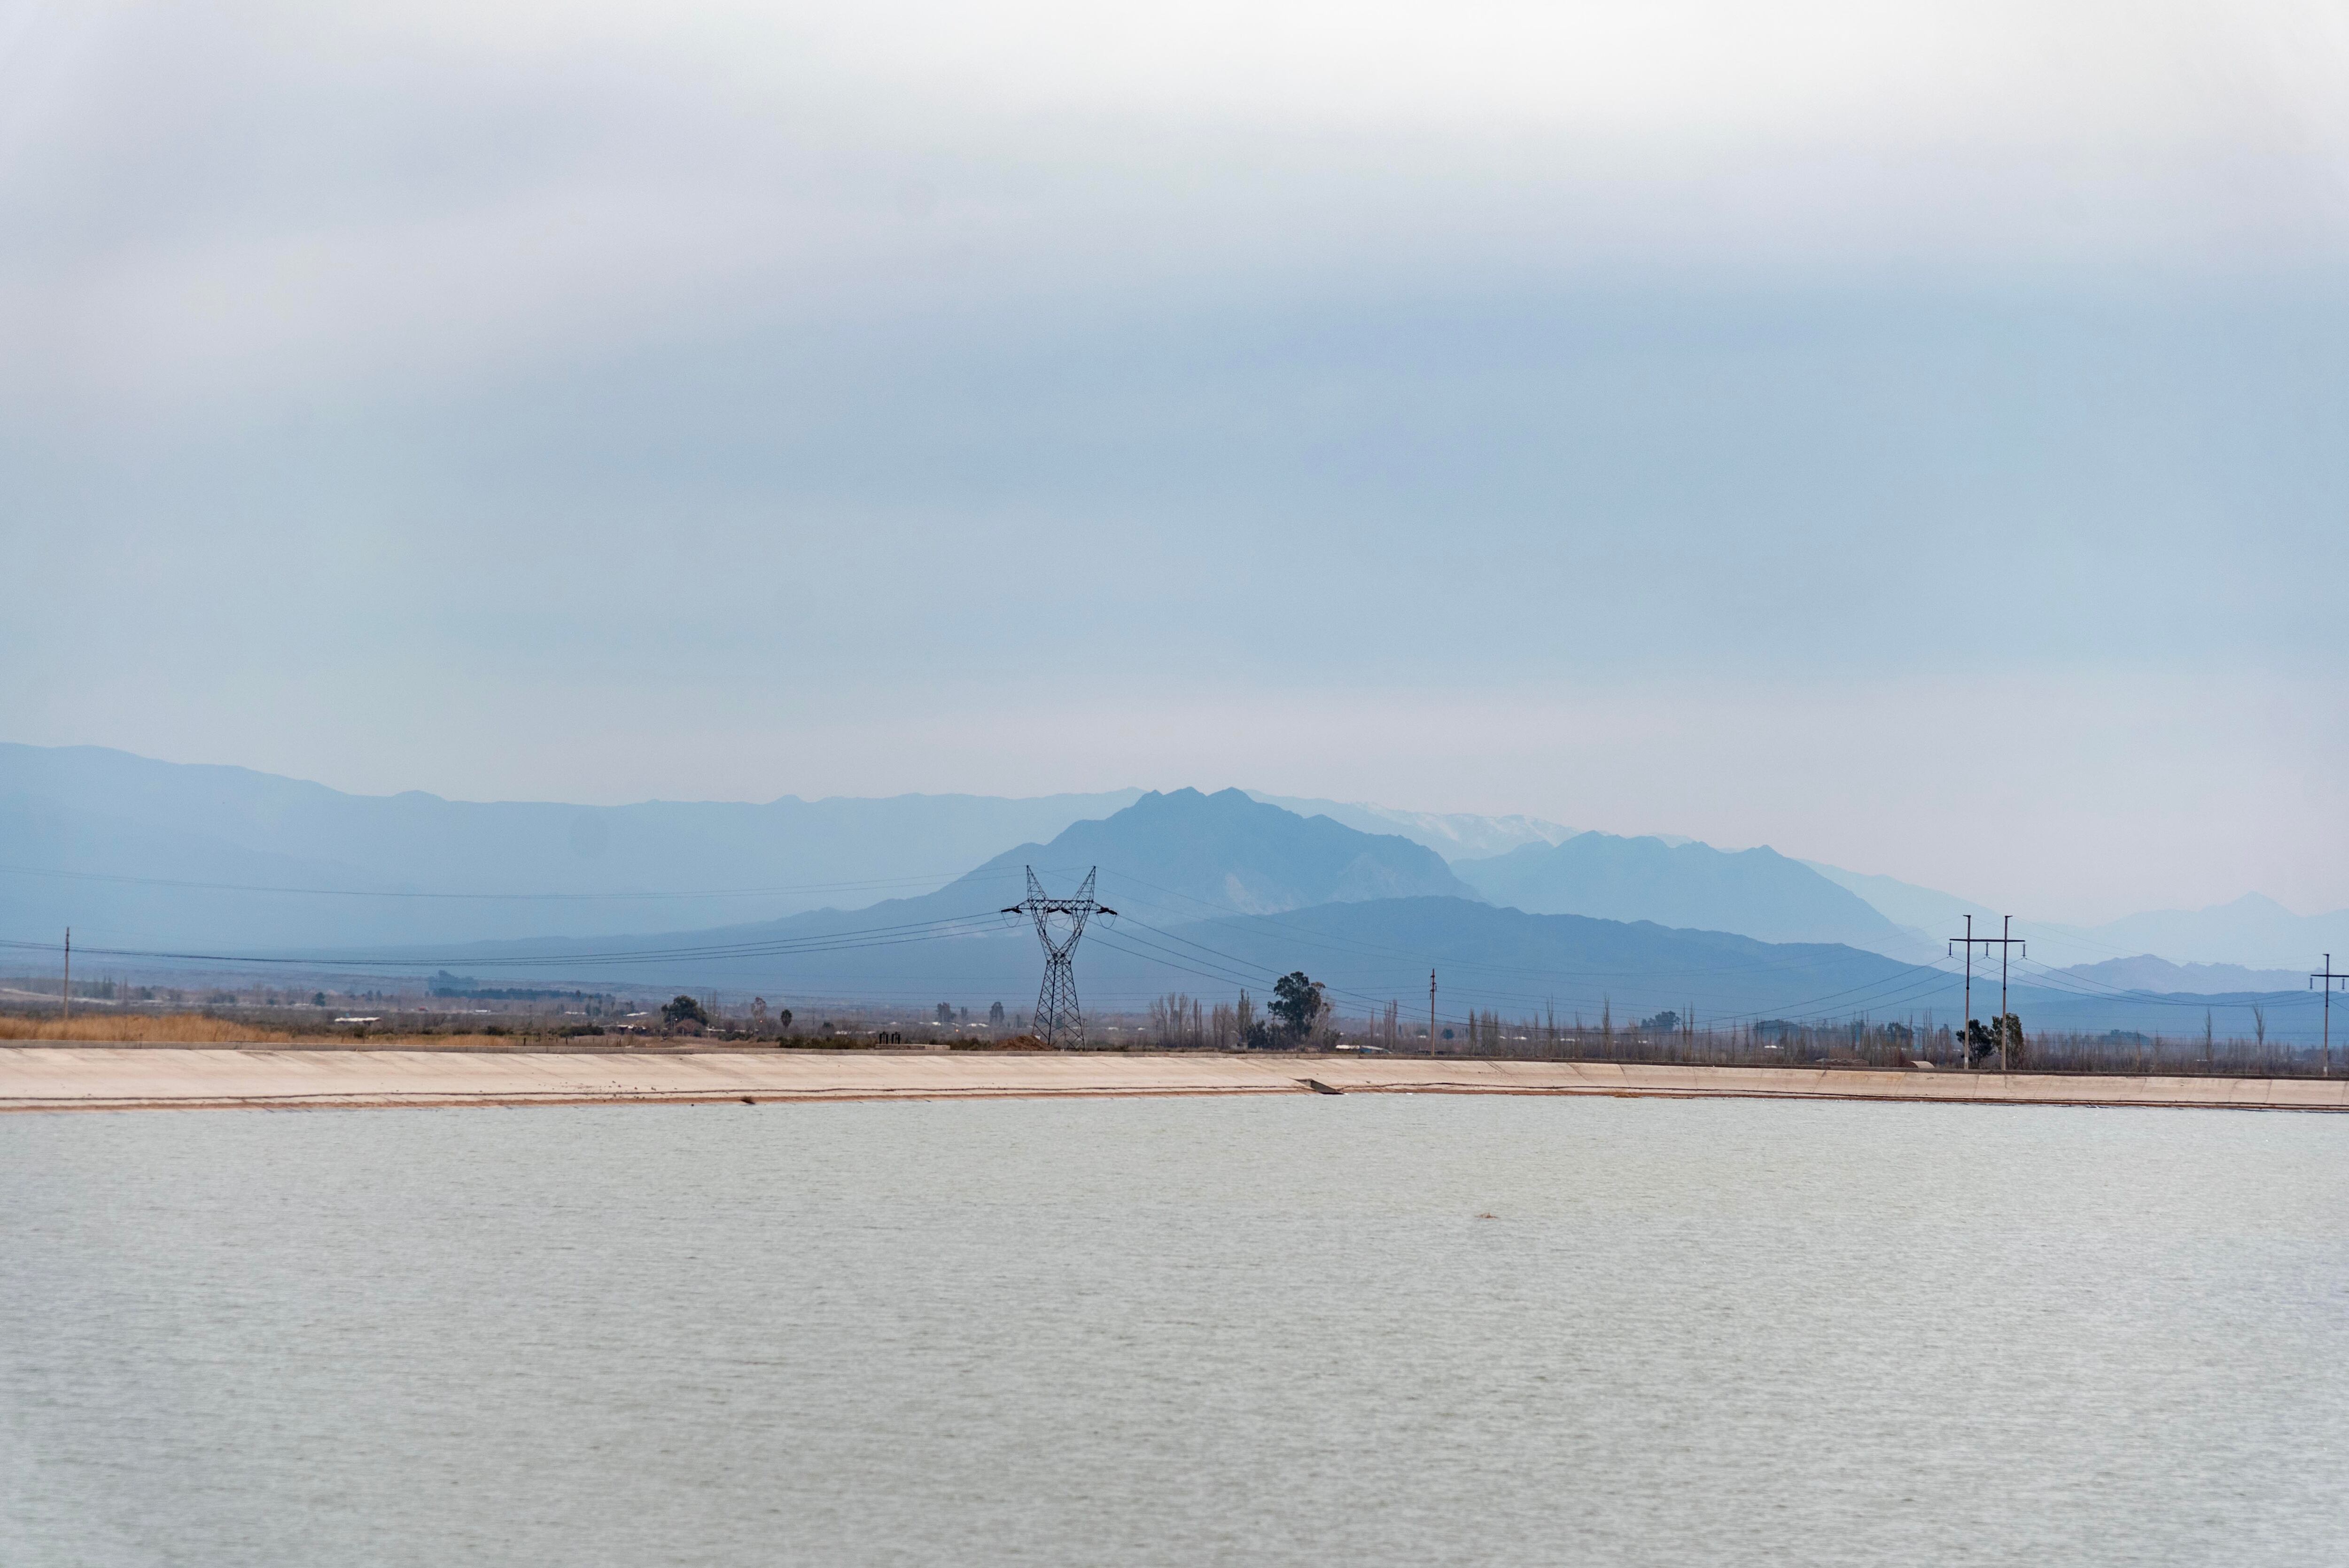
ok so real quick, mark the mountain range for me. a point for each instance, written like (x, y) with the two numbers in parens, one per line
(1227, 851)
(1454, 835)
(1757, 893)
(1213, 894)
(134, 852)
(140, 852)
(2160, 976)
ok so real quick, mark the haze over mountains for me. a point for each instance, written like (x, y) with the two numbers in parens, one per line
(2147, 972)
(1367, 952)
(1195, 853)
(141, 854)
(1757, 892)
(2253, 932)
(1454, 835)
(453, 870)
(1307, 894)
(1166, 859)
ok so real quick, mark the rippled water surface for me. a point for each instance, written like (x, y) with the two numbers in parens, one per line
(1399, 1330)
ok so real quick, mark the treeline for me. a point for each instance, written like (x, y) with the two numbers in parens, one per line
(1179, 1022)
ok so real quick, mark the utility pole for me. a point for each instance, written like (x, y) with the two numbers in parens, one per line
(2327, 978)
(68, 991)
(2005, 940)
(1965, 1039)
(1431, 1008)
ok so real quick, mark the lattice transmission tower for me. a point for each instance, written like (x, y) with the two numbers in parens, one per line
(1060, 921)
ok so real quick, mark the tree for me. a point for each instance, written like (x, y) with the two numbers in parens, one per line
(1982, 1041)
(683, 1009)
(1297, 1002)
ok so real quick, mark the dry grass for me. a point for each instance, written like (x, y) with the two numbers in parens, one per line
(136, 1028)
(201, 1029)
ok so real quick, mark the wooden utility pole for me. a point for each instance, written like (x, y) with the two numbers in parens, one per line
(1431, 1008)
(2328, 979)
(68, 990)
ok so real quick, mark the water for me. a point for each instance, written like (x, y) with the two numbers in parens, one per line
(1176, 1331)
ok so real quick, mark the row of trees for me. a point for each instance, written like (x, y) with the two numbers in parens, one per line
(686, 1012)
(1299, 1015)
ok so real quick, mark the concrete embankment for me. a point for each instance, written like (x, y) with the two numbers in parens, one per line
(98, 1078)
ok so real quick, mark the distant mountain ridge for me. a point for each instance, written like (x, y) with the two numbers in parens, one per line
(185, 839)
(1167, 861)
(1178, 856)
(138, 853)
(1454, 835)
(1755, 892)
(1230, 852)
(2162, 978)
(1927, 911)
(2253, 932)
(1569, 968)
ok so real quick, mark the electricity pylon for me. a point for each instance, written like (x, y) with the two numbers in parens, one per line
(1057, 1014)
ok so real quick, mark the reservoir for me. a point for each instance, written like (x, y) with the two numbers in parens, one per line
(1269, 1329)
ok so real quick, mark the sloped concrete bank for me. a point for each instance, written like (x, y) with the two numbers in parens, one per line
(101, 1077)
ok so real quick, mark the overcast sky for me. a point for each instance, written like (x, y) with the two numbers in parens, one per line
(1912, 436)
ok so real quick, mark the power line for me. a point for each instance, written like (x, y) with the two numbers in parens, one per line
(2064, 982)
(933, 880)
(816, 942)
(1336, 944)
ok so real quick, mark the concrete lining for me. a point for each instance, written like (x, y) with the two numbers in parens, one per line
(104, 1077)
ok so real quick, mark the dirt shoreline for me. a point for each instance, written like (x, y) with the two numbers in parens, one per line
(149, 1077)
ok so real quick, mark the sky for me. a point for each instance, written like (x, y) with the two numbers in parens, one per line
(1915, 436)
